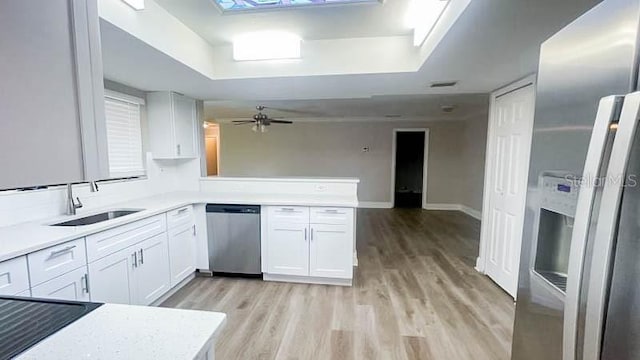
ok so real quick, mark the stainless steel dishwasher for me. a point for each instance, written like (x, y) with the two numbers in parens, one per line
(234, 239)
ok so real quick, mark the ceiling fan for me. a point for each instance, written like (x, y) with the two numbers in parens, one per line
(261, 121)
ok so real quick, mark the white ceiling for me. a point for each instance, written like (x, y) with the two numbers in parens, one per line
(493, 43)
(311, 23)
(389, 108)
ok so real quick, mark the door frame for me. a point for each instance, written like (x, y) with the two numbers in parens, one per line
(425, 167)
(530, 80)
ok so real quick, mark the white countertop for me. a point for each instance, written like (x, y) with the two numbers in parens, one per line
(296, 179)
(132, 332)
(21, 239)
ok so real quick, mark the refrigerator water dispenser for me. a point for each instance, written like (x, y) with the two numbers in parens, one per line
(559, 197)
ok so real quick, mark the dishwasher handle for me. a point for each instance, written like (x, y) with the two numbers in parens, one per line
(233, 209)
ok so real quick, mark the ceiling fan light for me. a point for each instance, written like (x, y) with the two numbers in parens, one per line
(254, 128)
(263, 128)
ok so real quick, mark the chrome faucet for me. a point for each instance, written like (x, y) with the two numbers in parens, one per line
(72, 205)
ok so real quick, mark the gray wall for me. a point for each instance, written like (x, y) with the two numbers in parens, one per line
(455, 168)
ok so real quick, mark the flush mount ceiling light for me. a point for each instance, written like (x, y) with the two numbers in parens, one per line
(135, 4)
(422, 16)
(266, 45)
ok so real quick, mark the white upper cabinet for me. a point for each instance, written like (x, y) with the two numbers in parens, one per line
(172, 125)
(52, 127)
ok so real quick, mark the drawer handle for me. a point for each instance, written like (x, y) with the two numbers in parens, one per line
(182, 210)
(56, 253)
(287, 209)
(331, 211)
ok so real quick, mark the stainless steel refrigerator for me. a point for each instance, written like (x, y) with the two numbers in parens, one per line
(579, 281)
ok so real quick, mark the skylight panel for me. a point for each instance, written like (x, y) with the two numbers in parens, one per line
(240, 5)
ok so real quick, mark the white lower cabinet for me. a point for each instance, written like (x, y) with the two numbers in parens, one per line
(73, 285)
(317, 243)
(151, 274)
(182, 252)
(14, 276)
(26, 293)
(111, 278)
(330, 251)
(137, 275)
(288, 248)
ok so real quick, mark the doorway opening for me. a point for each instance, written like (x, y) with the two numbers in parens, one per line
(409, 168)
(212, 148)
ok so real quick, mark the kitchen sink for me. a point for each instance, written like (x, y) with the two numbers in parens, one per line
(97, 218)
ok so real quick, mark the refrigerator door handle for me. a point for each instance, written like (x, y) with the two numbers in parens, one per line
(606, 228)
(604, 118)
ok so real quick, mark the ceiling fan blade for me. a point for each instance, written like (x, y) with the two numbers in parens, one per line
(281, 121)
(242, 122)
(295, 111)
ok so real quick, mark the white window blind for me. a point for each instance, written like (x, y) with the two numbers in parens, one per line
(124, 135)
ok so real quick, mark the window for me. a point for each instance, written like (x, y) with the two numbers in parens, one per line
(124, 134)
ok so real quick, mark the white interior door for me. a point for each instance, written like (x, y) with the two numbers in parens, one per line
(510, 143)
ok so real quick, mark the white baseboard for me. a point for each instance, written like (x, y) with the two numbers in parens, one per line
(479, 265)
(445, 207)
(476, 214)
(375, 205)
(307, 279)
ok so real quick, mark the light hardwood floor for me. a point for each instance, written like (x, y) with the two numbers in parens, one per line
(415, 296)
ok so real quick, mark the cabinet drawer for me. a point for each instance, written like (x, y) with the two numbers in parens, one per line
(46, 264)
(181, 216)
(288, 214)
(14, 276)
(331, 215)
(110, 241)
(72, 286)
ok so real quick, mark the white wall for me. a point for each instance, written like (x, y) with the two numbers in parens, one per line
(456, 155)
(23, 206)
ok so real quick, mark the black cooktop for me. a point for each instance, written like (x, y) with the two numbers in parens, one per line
(25, 322)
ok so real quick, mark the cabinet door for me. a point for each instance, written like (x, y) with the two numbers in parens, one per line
(331, 251)
(14, 276)
(184, 121)
(182, 254)
(73, 285)
(151, 275)
(111, 277)
(52, 77)
(288, 248)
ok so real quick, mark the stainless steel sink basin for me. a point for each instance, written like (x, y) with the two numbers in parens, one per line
(94, 219)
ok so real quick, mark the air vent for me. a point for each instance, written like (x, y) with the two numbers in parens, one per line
(393, 116)
(447, 108)
(441, 84)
